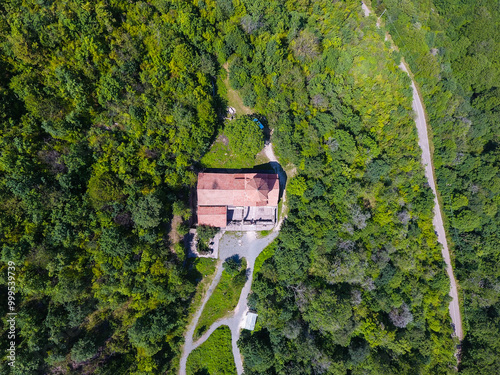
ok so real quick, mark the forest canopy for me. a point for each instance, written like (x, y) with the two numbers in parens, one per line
(452, 49)
(106, 111)
(105, 108)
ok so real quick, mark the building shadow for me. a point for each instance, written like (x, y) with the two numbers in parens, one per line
(278, 169)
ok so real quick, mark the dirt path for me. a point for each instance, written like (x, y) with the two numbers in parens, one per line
(173, 235)
(247, 246)
(188, 344)
(423, 142)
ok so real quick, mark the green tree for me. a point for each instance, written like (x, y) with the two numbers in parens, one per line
(245, 136)
(232, 265)
(148, 331)
(467, 221)
(83, 350)
(257, 352)
(103, 189)
(114, 243)
(206, 233)
(146, 211)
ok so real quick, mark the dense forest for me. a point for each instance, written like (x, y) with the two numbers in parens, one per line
(356, 284)
(106, 110)
(452, 47)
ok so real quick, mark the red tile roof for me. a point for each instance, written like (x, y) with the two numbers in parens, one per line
(238, 189)
(215, 216)
(212, 210)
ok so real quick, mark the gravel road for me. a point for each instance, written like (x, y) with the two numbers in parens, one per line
(423, 142)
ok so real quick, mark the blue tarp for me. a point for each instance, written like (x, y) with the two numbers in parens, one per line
(258, 123)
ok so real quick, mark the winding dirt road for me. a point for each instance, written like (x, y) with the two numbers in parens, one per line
(423, 142)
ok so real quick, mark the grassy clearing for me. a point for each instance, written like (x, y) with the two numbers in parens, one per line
(204, 269)
(281, 212)
(225, 153)
(233, 97)
(175, 237)
(237, 146)
(203, 272)
(234, 100)
(214, 356)
(221, 156)
(267, 253)
(205, 266)
(223, 300)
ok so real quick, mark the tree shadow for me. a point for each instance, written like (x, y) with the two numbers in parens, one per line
(234, 257)
(201, 330)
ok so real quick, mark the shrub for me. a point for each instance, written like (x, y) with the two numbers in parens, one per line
(232, 265)
(206, 232)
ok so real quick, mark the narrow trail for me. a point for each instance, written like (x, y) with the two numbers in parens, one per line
(247, 246)
(423, 142)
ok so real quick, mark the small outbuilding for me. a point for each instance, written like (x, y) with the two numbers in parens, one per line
(250, 321)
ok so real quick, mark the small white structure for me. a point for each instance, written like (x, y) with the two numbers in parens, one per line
(250, 321)
(231, 113)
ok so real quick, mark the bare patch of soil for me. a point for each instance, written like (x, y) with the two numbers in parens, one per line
(223, 139)
(173, 235)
